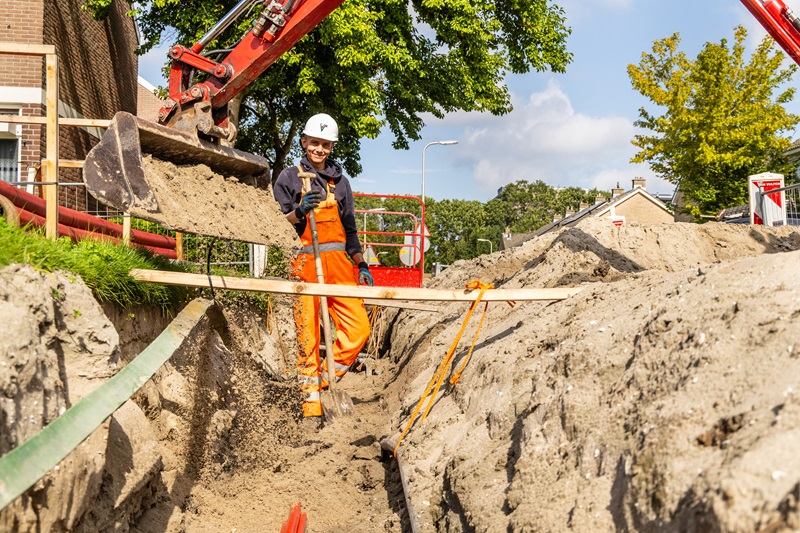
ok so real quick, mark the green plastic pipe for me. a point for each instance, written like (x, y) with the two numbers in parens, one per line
(26, 464)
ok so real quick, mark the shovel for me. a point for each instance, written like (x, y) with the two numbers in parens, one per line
(335, 403)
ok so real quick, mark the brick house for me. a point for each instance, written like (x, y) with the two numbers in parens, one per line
(97, 77)
(148, 103)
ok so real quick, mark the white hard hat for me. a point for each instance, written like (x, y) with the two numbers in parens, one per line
(322, 126)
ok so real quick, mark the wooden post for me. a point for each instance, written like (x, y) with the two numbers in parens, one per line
(179, 245)
(126, 228)
(51, 136)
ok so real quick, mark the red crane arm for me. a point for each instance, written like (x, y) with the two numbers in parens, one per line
(188, 107)
(780, 23)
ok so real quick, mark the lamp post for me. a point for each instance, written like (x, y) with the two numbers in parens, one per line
(443, 143)
(422, 227)
(490, 244)
(365, 220)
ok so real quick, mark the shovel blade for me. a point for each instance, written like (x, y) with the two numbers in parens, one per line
(336, 404)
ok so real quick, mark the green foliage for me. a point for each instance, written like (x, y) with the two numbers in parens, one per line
(98, 8)
(524, 207)
(103, 266)
(721, 118)
(370, 64)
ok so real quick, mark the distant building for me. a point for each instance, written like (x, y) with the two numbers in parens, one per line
(97, 71)
(635, 205)
(148, 103)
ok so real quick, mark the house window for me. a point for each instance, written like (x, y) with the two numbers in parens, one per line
(9, 160)
(9, 148)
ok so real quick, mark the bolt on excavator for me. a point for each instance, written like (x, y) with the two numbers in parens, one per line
(143, 168)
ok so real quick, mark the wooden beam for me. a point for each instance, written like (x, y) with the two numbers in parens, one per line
(70, 163)
(51, 138)
(63, 121)
(402, 304)
(348, 291)
(27, 49)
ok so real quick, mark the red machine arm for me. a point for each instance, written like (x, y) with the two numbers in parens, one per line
(780, 22)
(202, 106)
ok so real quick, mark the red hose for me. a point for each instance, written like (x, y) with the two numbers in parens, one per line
(76, 234)
(296, 523)
(82, 221)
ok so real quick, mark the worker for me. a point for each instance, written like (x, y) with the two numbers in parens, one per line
(331, 199)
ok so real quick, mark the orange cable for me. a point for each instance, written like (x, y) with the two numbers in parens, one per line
(441, 371)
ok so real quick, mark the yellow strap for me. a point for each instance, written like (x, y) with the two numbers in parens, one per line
(441, 371)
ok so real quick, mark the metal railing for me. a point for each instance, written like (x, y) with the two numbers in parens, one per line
(772, 204)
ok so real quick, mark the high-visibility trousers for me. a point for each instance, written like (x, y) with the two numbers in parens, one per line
(350, 324)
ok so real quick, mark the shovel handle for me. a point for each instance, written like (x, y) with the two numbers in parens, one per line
(326, 323)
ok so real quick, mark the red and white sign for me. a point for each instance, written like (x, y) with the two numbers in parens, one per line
(769, 209)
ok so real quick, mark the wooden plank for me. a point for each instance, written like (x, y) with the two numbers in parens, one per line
(51, 138)
(63, 121)
(402, 304)
(179, 245)
(348, 291)
(70, 163)
(27, 49)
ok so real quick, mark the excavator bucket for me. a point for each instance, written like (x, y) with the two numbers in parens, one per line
(179, 181)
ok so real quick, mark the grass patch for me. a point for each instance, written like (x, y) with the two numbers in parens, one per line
(103, 266)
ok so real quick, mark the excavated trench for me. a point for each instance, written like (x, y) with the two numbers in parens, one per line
(237, 453)
(662, 397)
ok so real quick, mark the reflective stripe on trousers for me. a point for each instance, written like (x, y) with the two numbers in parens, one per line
(348, 315)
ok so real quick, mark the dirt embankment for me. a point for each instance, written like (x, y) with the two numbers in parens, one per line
(663, 396)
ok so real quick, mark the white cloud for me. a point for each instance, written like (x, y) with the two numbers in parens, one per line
(545, 139)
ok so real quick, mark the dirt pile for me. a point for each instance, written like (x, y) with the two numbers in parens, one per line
(195, 199)
(661, 397)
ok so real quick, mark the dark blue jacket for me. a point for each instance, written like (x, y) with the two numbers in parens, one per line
(288, 190)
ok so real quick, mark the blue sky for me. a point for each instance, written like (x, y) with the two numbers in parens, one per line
(568, 130)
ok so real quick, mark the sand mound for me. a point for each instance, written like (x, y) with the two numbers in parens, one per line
(661, 397)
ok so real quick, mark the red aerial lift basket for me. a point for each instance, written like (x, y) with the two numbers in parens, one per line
(390, 276)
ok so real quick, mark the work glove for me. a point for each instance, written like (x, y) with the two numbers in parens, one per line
(310, 201)
(364, 277)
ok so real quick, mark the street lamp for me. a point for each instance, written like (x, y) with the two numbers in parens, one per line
(422, 226)
(490, 244)
(443, 143)
(365, 220)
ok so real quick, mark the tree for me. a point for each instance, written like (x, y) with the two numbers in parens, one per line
(721, 119)
(525, 207)
(371, 64)
(456, 225)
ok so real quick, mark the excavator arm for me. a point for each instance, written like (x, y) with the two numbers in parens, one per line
(780, 22)
(166, 172)
(203, 106)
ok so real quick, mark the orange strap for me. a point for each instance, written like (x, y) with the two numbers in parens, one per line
(438, 377)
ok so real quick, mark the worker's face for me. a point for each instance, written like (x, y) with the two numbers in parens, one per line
(317, 150)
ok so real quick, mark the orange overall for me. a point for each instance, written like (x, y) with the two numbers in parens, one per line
(349, 316)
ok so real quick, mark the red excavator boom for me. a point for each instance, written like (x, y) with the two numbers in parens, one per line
(780, 22)
(150, 170)
(203, 106)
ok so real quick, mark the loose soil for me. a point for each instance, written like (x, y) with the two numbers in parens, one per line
(661, 397)
(195, 199)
